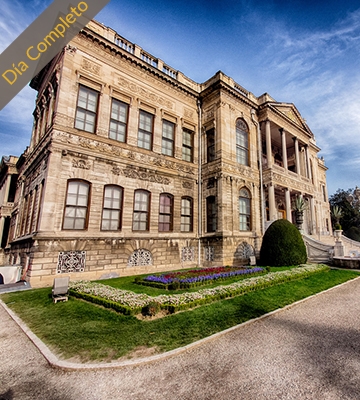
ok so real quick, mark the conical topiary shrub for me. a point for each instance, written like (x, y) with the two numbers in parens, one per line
(282, 245)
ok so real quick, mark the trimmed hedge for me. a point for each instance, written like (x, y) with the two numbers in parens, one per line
(90, 291)
(282, 245)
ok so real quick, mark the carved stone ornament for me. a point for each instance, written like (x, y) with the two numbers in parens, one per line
(70, 49)
(91, 67)
(187, 185)
(136, 89)
(83, 164)
(151, 176)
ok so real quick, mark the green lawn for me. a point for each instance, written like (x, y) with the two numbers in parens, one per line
(89, 332)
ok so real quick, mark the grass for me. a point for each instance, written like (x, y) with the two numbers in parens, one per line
(87, 332)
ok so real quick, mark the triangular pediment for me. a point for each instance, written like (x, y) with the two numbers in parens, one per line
(291, 112)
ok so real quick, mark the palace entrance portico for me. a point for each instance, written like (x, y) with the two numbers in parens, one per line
(288, 156)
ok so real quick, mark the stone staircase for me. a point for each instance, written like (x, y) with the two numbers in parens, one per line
(327, 247)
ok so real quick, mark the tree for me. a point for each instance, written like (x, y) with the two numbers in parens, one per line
(349, 203)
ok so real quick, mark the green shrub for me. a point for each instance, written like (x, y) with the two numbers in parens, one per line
(151, 309)
(282, 245)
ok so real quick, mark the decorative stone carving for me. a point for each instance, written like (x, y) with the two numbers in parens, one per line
(187, 254)
(188, 113)
(154, 98)
(187, 185)
(71, 261)
(151, 176)
(91, 67)
(244, 251)
(70, 49)
(140, 257)
(83, 164)
(209, 253)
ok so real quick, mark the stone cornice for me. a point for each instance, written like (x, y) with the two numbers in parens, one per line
(111, 49)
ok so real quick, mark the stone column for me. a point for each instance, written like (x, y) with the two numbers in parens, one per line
(283, 145)
(268, 144)
(7, 188)
(2, 224)
(297, 155)
(312, 215)
(288, 205)
(272, 208)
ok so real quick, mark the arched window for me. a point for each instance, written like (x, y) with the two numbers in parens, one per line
(166, 212)
(141, 210)
(244, 210)
(186, 214)
(112, 208)
(242, 142)
(76, 205)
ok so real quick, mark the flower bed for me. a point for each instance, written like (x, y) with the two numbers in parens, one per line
(194, 277)
(130, 303)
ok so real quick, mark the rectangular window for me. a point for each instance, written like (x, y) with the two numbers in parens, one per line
(166, 213)
(86, 109)
(187, 145)
(211, 214)
(210, 144)
(167, 145)
(76, 207)
(186, 214)
(242, 143)
(111, 215)
(118, 120)
(141, 210)
(146, 126)
(244, 214)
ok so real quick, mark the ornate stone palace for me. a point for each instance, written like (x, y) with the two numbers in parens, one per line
(133, 167)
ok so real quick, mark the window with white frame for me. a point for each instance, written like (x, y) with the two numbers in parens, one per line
(77, 205)
(244, 210)
(168, 133)
(86, 109)
(186, 214)
(166, 212)
(118, 120)
(146, 126)
(242, 142)
(187, 145)
(141, 210)
(112, 208)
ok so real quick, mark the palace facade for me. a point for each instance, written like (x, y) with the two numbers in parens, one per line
(133, 167)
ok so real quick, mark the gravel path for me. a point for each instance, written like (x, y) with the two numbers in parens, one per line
(308, 351)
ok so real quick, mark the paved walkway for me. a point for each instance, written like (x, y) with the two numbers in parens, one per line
(308, 351)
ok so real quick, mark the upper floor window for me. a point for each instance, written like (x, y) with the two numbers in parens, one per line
(118, 120)
(77, 205)
(146, 126)
(187, 145)
(242, 142)
(210, 145)
(244, 210)
(167, 144)
(186, 214)
(112, 207)
(211, 214)
(141, 210)
(166, 213)
(86, 109)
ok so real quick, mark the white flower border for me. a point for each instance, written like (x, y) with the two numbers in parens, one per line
(135, 300)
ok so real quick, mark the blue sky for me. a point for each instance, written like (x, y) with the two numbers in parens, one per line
(298, 51)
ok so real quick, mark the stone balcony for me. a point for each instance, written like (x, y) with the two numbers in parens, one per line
(280, 176)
